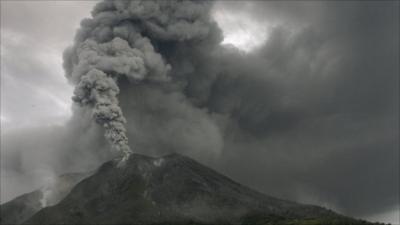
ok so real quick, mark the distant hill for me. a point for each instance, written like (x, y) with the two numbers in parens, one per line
(23, 207)
(174, 190)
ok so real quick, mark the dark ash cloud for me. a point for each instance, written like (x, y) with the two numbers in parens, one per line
(320, 113)
(311, 115)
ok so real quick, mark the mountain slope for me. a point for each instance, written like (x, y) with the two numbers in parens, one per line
(173, 190)
(23, 207)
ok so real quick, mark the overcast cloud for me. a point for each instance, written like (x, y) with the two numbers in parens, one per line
(307, 112)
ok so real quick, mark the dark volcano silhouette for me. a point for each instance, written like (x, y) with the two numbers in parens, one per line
(174, 190)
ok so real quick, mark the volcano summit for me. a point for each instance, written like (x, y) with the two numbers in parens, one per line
(174, 189)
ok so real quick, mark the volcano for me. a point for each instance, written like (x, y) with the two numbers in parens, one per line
(173, 189)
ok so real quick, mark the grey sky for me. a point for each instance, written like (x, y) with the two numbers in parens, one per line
(311, 110)
(33, 37)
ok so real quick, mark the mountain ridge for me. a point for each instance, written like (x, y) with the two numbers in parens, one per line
(26, 205)
(174, 189)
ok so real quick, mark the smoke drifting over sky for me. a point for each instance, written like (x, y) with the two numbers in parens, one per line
(306, 109)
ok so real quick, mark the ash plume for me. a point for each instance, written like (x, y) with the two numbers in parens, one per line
(311, 115)
(115, 43)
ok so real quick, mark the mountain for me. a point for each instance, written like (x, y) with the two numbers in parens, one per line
(23, 207)
(174, 189)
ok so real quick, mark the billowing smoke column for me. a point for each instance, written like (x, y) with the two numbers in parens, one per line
(118, 44)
